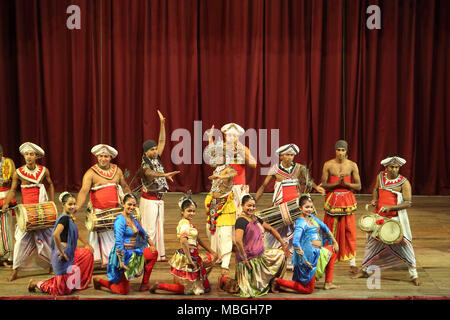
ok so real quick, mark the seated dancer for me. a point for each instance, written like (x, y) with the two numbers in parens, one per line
(189, 268)
(221, 211)
(237, 156)
(390, 197)
(310, 259)
(33, 244)
(256, 266)
(7, 169)
(130, 257)
(154, 185)
(106, 184)
(291, 181)
(73, 266)
(340, 177)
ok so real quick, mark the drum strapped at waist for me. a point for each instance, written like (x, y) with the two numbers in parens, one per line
(284, 214)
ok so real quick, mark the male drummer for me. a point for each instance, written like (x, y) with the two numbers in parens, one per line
(221, 209)
(7, 169)
(30, 245)
(291, 181)
(390, 197)
(106, 185)
(154, 185)
(237, 156)
(340, 177)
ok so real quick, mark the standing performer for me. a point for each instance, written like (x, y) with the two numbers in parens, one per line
(340, 177)
(237, 156)
(31, 177)
(221, 210)
(105, 183)
(291, 181)
(189, 268)
(154, 185)
(390, 197)
(311, 259)
(130, 257)
(73, 266)
(256, 266)
(7, 169)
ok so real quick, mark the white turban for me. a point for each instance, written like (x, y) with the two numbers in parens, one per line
(393, 160)
(28, 146)
(232, 129)
(288, 148)
(104, 149)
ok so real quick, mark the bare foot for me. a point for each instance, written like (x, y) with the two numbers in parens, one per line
(154, 287)
(361, 274)
(7, 264)
(31, 286)
(416, 281)
(353, 269)
(219, 283)
(274, 286)
(144, 287)
(97, 285)
(12, 276)
(329, 286)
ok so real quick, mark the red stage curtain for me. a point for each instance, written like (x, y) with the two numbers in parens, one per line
(308, 68)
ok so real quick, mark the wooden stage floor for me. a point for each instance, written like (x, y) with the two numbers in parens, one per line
(430, 224)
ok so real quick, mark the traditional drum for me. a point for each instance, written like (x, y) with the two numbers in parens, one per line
(103, 220)
(36, 216)
(282, 215)
(390, 232)
(368, 222)
(386, 230)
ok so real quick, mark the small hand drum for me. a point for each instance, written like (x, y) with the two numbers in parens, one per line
(390, 232)
(367, 222)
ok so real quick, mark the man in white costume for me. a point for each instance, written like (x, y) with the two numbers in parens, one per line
(32, 249)
(391, 197)
(106, 185)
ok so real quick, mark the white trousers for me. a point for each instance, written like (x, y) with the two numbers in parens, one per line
(222, 243)
(152, 221)
(102, 242)
(6, 241)
(32, 250)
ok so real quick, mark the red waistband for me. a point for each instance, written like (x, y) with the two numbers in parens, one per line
(151, 195)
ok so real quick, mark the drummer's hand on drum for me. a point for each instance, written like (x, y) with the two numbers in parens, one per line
(373, 203)
(386, 209)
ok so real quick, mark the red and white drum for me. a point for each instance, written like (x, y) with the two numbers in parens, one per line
(36, 216)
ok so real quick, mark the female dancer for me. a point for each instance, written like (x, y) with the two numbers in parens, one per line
(256, 266)
(129, 257)
(72, 266)
(310, 258)
(189, 268)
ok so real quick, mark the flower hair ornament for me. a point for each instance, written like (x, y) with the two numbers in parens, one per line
(62, 195)
(186, 197)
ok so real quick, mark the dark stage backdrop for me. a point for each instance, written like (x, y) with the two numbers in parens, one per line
(311, 69)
